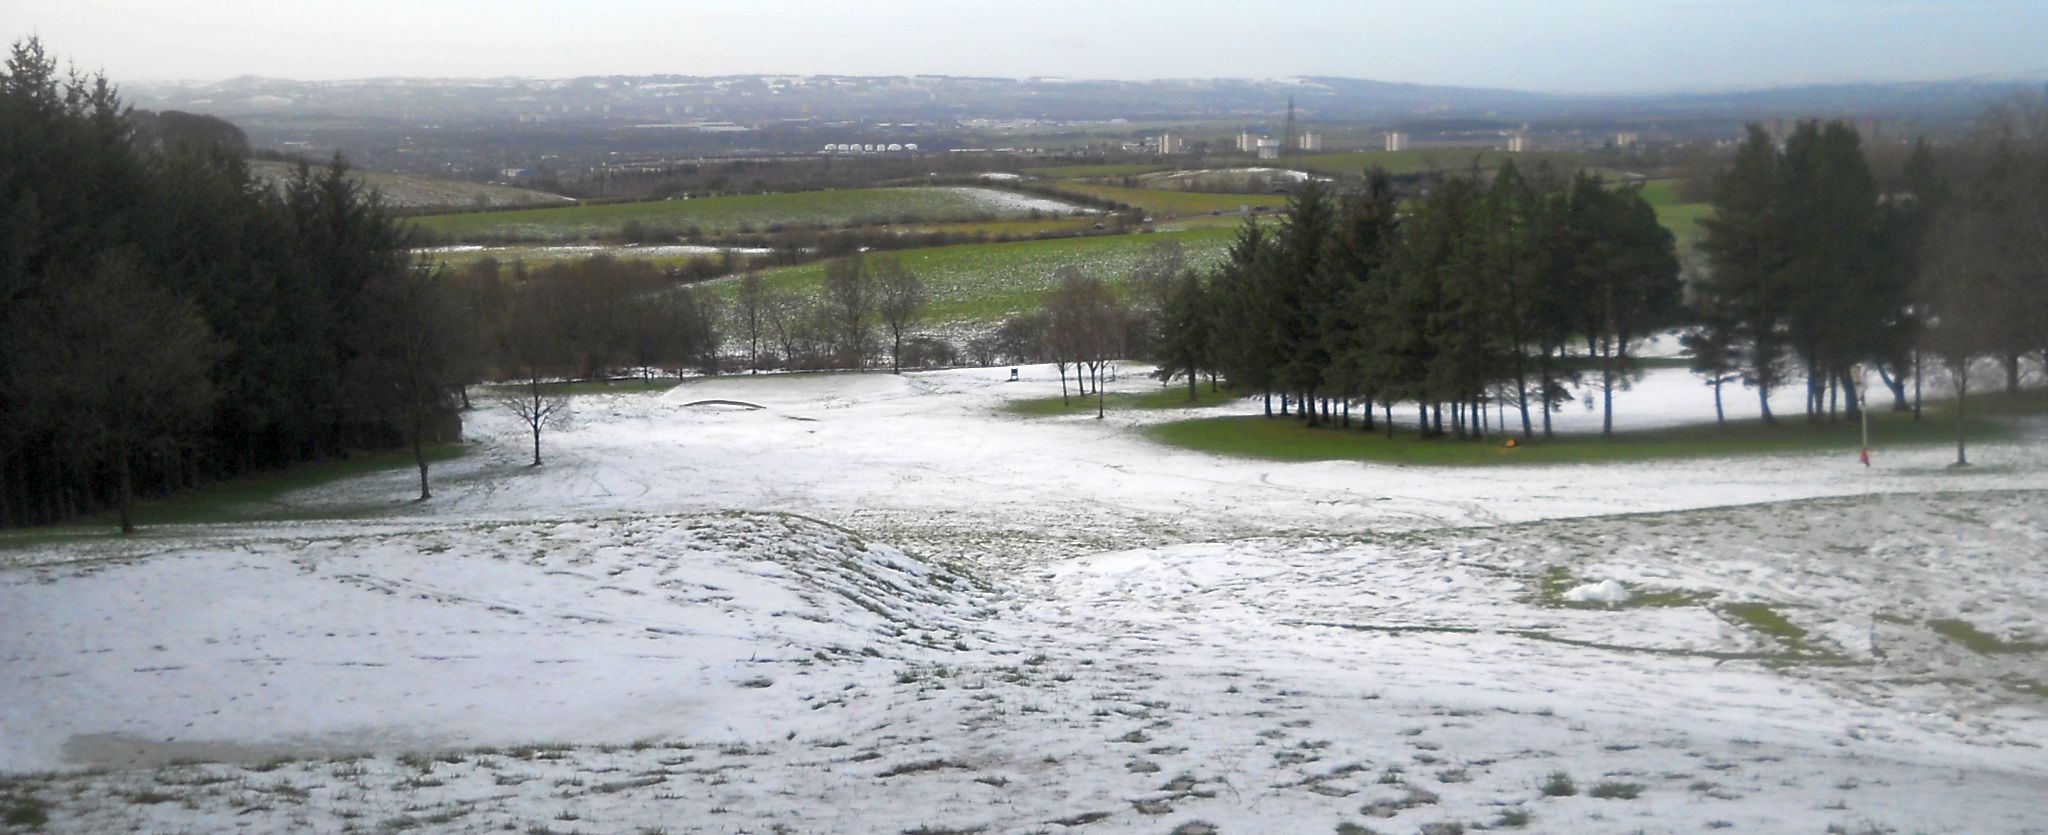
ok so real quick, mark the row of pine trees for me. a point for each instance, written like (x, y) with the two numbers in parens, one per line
(166, 320)
(1476, 291)
(1515, 289)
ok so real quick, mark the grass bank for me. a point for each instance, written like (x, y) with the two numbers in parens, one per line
(1169, 397)
(1281, 439)
(252, 498)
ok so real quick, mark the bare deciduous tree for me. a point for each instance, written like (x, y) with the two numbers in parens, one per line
(1086, 327)
(850, 301)
(405, 368)
(528, 341)
(902, 304)
(751, 314)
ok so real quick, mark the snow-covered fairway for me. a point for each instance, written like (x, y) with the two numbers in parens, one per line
(880, 604)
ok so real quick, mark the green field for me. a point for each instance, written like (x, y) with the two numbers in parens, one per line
(1166, 202)
(989, 282)
(1080, 172)
(1281, 439)
(713, 215)
(1683, 219)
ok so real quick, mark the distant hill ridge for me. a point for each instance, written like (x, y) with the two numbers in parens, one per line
(670, 99)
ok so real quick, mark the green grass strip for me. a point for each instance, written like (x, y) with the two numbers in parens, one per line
(251, 498)
(1284, 439)
(1169, 397)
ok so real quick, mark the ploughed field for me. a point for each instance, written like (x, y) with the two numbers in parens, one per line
(867, 602)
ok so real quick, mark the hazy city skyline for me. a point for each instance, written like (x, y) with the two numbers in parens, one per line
(1568, 46)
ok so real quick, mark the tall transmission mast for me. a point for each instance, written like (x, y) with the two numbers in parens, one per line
(1293, 135)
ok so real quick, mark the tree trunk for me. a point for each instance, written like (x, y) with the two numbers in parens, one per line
(1521, 391)
(1916, 385)
(126, 499)
(1543, 372)
(536, 420)
(1606, 387)
(1962, 392)
(1763, 399)
(1852, 408)
(1389, 406)
(2012, 372)
(419, 456)
(1816, 394)
(1897, 385)
(1720, 417)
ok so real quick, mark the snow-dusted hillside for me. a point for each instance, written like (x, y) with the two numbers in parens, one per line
(880, 604)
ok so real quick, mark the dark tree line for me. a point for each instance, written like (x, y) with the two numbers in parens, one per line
(1810, 269)
(1084, 324)
(865, 304)
(1819, 269)
(1980, 286)
(1472, 292)
(585, 319)
(169, 321)
(594, 320)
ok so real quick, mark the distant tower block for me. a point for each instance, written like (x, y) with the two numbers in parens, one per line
(1310, 142)
(1397, 141)
(1517, 144)
(1293, 127)
(1626, 139)
(1170, 144)
(1268, 148)
(1247, 143)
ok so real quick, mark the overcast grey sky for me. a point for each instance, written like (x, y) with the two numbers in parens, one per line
(1545, 45)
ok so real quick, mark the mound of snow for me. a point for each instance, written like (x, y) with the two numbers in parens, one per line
(1605, 591)
(794, 391)
(602, 629)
